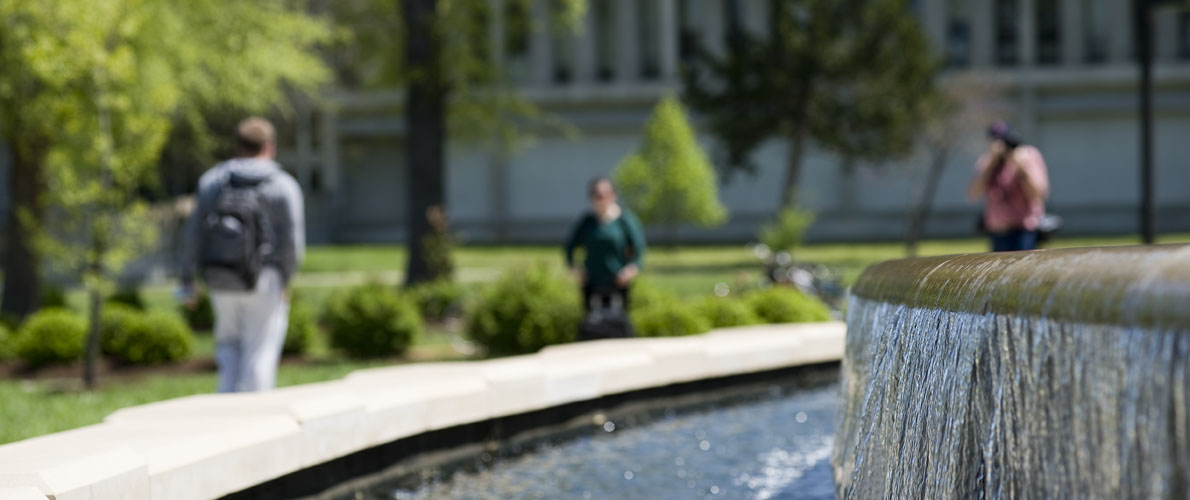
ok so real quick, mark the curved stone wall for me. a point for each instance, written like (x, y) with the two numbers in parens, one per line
(1048, 374)
(212, 445)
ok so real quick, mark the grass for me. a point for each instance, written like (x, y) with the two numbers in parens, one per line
(32, 408)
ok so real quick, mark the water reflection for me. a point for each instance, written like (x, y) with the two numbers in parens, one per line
(776, 446)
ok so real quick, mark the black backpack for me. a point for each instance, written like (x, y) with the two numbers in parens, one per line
(607, 318)
(237, 238)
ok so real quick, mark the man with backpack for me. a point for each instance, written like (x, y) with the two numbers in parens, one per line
(245, 239)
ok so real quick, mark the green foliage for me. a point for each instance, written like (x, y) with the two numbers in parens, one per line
(669, 319)
(144, 338)
(202, 316)
(371, 321)
(303, 332)
(669, 180)
(438, 300)
(51, 336)
(786, 305)
(53, 296)
(129, 296)
(724, 312)
(7, 340)
(788, 231)
(852, 75)
(524, 311)
(644, 294)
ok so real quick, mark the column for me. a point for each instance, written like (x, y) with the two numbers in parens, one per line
(584, 48)
(1165, 35)
(1119, 33)
(627, 48)
(1027, 36)
(933, 18)
(668, 42)
(1071, 31)
(541, 60)
(496, 34)
(713, 30)
(981, 21)
(331, 174)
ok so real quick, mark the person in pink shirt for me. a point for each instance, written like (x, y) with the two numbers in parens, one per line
(1012, 178)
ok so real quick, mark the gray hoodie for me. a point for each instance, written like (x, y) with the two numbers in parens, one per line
(283, 198)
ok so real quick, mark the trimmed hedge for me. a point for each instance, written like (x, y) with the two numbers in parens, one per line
(372, 321)
(438, 300)
(137, 338)
(303, 329)
(49, 336)
(669, 319)
(129, 297)
(525, 310)
(723, 312)
(7, 349)
(786, 305)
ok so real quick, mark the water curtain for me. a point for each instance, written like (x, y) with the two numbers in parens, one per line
(1047, 374)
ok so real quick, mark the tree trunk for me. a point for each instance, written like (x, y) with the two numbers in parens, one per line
(797, 143)
(90, 367)
(22, 265)
(425, 115)
(921, 211)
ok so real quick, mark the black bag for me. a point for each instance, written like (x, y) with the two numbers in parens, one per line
(236, 236)
(1046, 228)
(607, 318)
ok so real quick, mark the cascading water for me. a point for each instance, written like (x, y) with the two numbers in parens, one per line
(1053, 374)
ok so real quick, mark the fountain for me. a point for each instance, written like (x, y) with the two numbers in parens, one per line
(1047, 374)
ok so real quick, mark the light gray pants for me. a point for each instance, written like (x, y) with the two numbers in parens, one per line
(249, 332)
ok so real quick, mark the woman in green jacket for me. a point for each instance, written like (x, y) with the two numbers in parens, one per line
(614, 244)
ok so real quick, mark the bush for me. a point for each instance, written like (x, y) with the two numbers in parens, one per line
(7, 349)
(138, 338)
(128, 296)
(723, 312)
(645, 295)
(524, 311)
(202, 317)
(53, 335)
(787, 231)
(372, 320)
(437, 300)
(53, 297)
(669, 319)
(786, 305)
(303, 329)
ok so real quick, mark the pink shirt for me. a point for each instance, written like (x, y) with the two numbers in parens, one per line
(1008, 206)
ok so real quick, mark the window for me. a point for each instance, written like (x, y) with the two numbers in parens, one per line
(1049, 35)
(1095, 27)
(1183, 35)
(689, 41)
(562, 45)
(605, 39)
(648, 24)
(958, 35)
(1007, 32)
(518, 28)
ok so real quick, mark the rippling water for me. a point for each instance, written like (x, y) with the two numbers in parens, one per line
(775, 446)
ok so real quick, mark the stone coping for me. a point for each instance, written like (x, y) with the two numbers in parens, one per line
(211, 445)
(1144, 286)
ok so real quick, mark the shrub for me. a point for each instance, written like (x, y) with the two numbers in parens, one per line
(524, 311)
(129, 296)
(202, 316)
(51, 335)
(786, 305)
(53, 297)
(438, 299)
(371, 321)
(7, 349)
(669, 319)
(645, 295)
(723, 312)
(303, 329)
(787, 230)
(138, 338)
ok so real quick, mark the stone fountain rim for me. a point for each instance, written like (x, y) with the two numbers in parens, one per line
(1145, 286)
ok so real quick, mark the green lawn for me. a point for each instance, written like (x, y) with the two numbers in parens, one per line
(32, 408)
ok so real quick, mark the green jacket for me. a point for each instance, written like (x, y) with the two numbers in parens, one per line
(609, 246)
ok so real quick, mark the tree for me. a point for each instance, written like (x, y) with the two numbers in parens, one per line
(449, 62)
(850, 74)
(962, 107)
(90, 92)
(669, 180)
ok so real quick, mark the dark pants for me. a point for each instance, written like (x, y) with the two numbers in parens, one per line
(605, 293)
(1013, 240)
